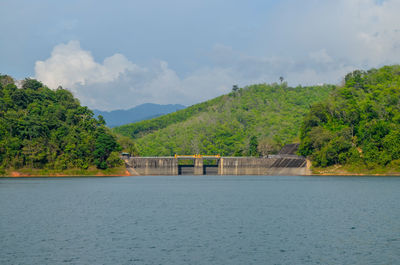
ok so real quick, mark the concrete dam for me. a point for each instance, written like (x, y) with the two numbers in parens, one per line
(211, 165)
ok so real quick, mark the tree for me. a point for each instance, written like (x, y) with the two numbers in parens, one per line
(268, 146)
(253, 145)
(6, 80)
(114, 160)
(128, 145)
(105, 144)
(101, 120)
(20, 98)
(33, 84)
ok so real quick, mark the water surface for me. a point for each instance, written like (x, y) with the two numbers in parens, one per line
(200, 220)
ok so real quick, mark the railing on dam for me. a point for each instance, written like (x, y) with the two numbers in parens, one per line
(197, 156)
(271, 165)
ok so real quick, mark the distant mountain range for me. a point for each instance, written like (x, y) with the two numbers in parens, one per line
(138, 113)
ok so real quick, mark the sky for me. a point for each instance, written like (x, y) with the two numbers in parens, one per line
(119, 54)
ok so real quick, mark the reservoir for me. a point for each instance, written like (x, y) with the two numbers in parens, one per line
(200, 220)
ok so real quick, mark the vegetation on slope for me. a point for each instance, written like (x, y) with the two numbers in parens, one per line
(255, 120)
(48, 129)
(359, 126)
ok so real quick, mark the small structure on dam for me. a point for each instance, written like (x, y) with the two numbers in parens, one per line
(281, 164)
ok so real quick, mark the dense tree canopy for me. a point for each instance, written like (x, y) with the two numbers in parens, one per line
(359, 124)
(43, 128)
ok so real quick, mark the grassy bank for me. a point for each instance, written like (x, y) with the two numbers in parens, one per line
(356, 170)
(92, 171)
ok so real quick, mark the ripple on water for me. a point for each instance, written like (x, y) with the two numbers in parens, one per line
(200, 220)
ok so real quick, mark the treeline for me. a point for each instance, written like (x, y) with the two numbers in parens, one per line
(359, 124)
(255, 120)
(44, 128)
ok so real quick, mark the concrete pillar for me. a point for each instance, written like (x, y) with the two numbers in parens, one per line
(221, 166)
(236, 166)
(198, 166)
(174, 166)
(146, 169)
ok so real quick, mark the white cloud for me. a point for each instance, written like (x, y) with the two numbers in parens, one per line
(69, 65)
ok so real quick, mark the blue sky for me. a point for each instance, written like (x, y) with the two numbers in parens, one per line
(118, 54)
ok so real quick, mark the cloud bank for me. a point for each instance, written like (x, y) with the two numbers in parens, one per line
(118, 83)
(318, 45)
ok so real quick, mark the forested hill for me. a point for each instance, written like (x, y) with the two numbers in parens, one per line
(359, 126)
(43, 128)
(254, 120)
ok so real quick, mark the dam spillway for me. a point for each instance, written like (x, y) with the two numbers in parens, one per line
(271, 165)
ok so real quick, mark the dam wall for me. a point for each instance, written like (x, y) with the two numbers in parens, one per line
(277, 165)
(271, 165)
(152, 165)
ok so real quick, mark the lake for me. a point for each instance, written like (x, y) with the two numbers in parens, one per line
(200, 220)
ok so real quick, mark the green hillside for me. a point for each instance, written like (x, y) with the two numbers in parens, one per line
(42, 128)
(253, 120)
(359, 126)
